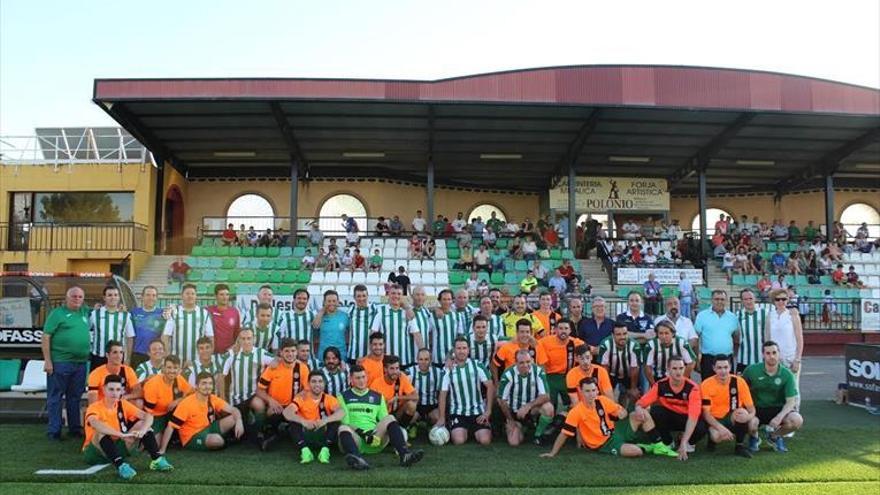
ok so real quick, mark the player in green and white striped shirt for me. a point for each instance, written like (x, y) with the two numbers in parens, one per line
(620, 356)
(402, 337)
(152, 366)
(496, 324)
(754, 330)
(297, 324)
(523, 395)
(423, 318)
(243, 365)
(463, 311)
(188, 323)
(461, 392)
(662, 347)
(427, 379)
(264, 336)
(109, 322)
(360, 317)
(208, 362)
(446, 327)
(483, 344)
(335, 377)
(249, 312)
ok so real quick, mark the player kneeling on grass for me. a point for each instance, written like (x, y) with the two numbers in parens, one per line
(398, 391)
(197, 418)
(367, 427)
(461, 393)
(427, 380)
(314, 418)
(603, 426)
(774, 389)
(163, 392)
(114, 426)
(523, 395)
(675, 404)
(727, 407)
(278, 386)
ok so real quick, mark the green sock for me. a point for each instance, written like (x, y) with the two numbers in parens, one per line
(543, 423)
(259, 421)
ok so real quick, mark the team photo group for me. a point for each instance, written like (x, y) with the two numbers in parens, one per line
(328, 379)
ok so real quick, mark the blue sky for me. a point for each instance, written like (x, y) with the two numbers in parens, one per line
(51, 51)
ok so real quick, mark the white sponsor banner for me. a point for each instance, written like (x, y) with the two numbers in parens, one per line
(244, 302)
(870, 315)
(664, 276)
(15, 312)
(601, 194)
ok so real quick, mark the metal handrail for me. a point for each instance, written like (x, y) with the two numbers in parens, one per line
(74, 236)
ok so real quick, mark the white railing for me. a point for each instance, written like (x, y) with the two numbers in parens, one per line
(68, 146)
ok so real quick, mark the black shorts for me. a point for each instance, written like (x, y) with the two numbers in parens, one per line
(467, 422)
(425, 409)
(765, 414)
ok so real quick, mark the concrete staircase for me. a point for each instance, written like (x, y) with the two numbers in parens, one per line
(593, 271)
(716, 278)
(154, 273)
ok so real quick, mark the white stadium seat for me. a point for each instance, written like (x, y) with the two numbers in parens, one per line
(388, 253)
(315, 290)
(414, 266)
(442, 279)
(402, 243)
(428, 278)
(34, 378)
(372, 278)
(358, 278)
(317, 277)
(325, 288)
(430, 290)
(331, 277)
(345, 278)
(415, 278)
(428, 266)
(441, 243)
(388, 265)
(402, 252)
(344, 290)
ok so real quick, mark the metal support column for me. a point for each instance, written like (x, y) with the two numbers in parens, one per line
(294, 196)
(829, 206)
(429, 195)
(572, 208)
(701, 204)
(158, 216)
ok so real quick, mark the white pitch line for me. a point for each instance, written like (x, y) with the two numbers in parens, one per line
(82, 472)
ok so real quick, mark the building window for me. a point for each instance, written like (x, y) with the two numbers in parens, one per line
(330, 214)
(251, 210)
(83, 207)
(856, 214)
(713, 215)
(484, 211)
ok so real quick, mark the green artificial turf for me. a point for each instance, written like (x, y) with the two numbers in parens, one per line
(837, 452)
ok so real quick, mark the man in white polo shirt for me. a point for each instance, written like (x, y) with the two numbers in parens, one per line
(418, 223)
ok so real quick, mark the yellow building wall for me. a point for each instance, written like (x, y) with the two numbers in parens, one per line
(136, 178)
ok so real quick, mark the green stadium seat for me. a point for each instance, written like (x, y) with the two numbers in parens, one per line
(262, 277)
(209, 251)
(800, 280)
(267, 264)
(261, 251)
(247, 251)
(280, 263)
(668, 292)
(228, 263)
(704, 294)
(299, 251)
(623, 292)
(303, 278)
(234, 276)
(194, 275)
(221, 251)
(215, 263)
(284, 290)
(302, 242)
(286, 252)
(222, 276)
(209, 276)
(294, 263)
(520, 266)
(234, 251)
(273, 251)
(248, 276)
(853, 293)
(254, 263)
(738, 279)
(567, 254)
(772, 246)
(497, 278)
(207, 241)
(276, 277)
(826, 280)
(453, 253)
(451, 243)
(509, 264)
(510, 278)
(171, 290)
(289, 277)
(484, 276)
(501, 243)
(9, 369)
(457, 278)
(752, 280)
(555, 254)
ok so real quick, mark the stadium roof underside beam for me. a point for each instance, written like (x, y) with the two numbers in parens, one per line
(518, 130)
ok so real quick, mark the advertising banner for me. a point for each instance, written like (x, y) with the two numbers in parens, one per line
(601, 194)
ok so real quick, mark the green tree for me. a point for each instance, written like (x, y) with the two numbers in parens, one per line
(78, 207)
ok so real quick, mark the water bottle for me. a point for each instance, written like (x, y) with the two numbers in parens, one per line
(871, 409)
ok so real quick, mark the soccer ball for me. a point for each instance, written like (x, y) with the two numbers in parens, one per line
(438, 435)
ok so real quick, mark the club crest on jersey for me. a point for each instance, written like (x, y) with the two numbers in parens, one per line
(777, 381)
(733, 391)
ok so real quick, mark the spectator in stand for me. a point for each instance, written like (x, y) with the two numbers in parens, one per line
(794, 233)
(308, 261)
(551, 237)
(376, 261)
(241, 236)
(779, 283)
(722, 225)
(861, 244)
(459, 223)
(650, 258)
(852, 278)
(320, 260)
(512, 229)
(439, 226)
(315, 236)
(352, 239)
(674, 230)
(792, 267)
(528, 283)
(332, 263)
(358, 263)
(494, 223)
(253, 237)
(780, 231)
(741, 263)
(631, 230)
(229, 236)
(558, 282)
(497, 258)
(419, 224)
(811, 232)
(652, 295)
(478, 227)
(529, 249)
(266, 239)
(568, 272)
(401, 279)
(757, 260)
(396, 226)
(862, 230)
(429, 248)
(177, 271)
(482, 289)
(465, 238)
(382, 227)
(686, 295)
(764, 285)
(471, 284)
(777, 262)
(834, 251)
(349, 224)
(838, 276)
(540, 272)
(415, 247)
(481, 259)
(489, 237)
(840, 233)
(635, 255)
(466, 262)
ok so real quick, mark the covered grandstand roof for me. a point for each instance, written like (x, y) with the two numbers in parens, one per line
(515, 130)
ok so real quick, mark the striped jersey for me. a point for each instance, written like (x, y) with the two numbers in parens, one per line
(296, 325)
(185, 328)
(359, 321)
(264, 338)
(398, 333)
(496, 327)
(424, 321)
(618, 361)
(146, 370)
(313, 363)
(463, 383)
(657, 356)
(518, 390)
(249, 320)
(442, 340)
(214, 367)
(244, 369)
(751, 330)
(336, 383)
(107, 326)
(427, 384)
(465, 316)
(483, 351)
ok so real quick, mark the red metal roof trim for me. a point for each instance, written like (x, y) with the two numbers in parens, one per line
(688, 87)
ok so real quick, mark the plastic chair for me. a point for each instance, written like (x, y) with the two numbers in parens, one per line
(34, 378)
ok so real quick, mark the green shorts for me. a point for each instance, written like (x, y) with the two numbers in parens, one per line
(367, 449)
(93, 455)
(198, 441)
(623, 433)
(556, 384)
(159, 424)
(727, 421)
